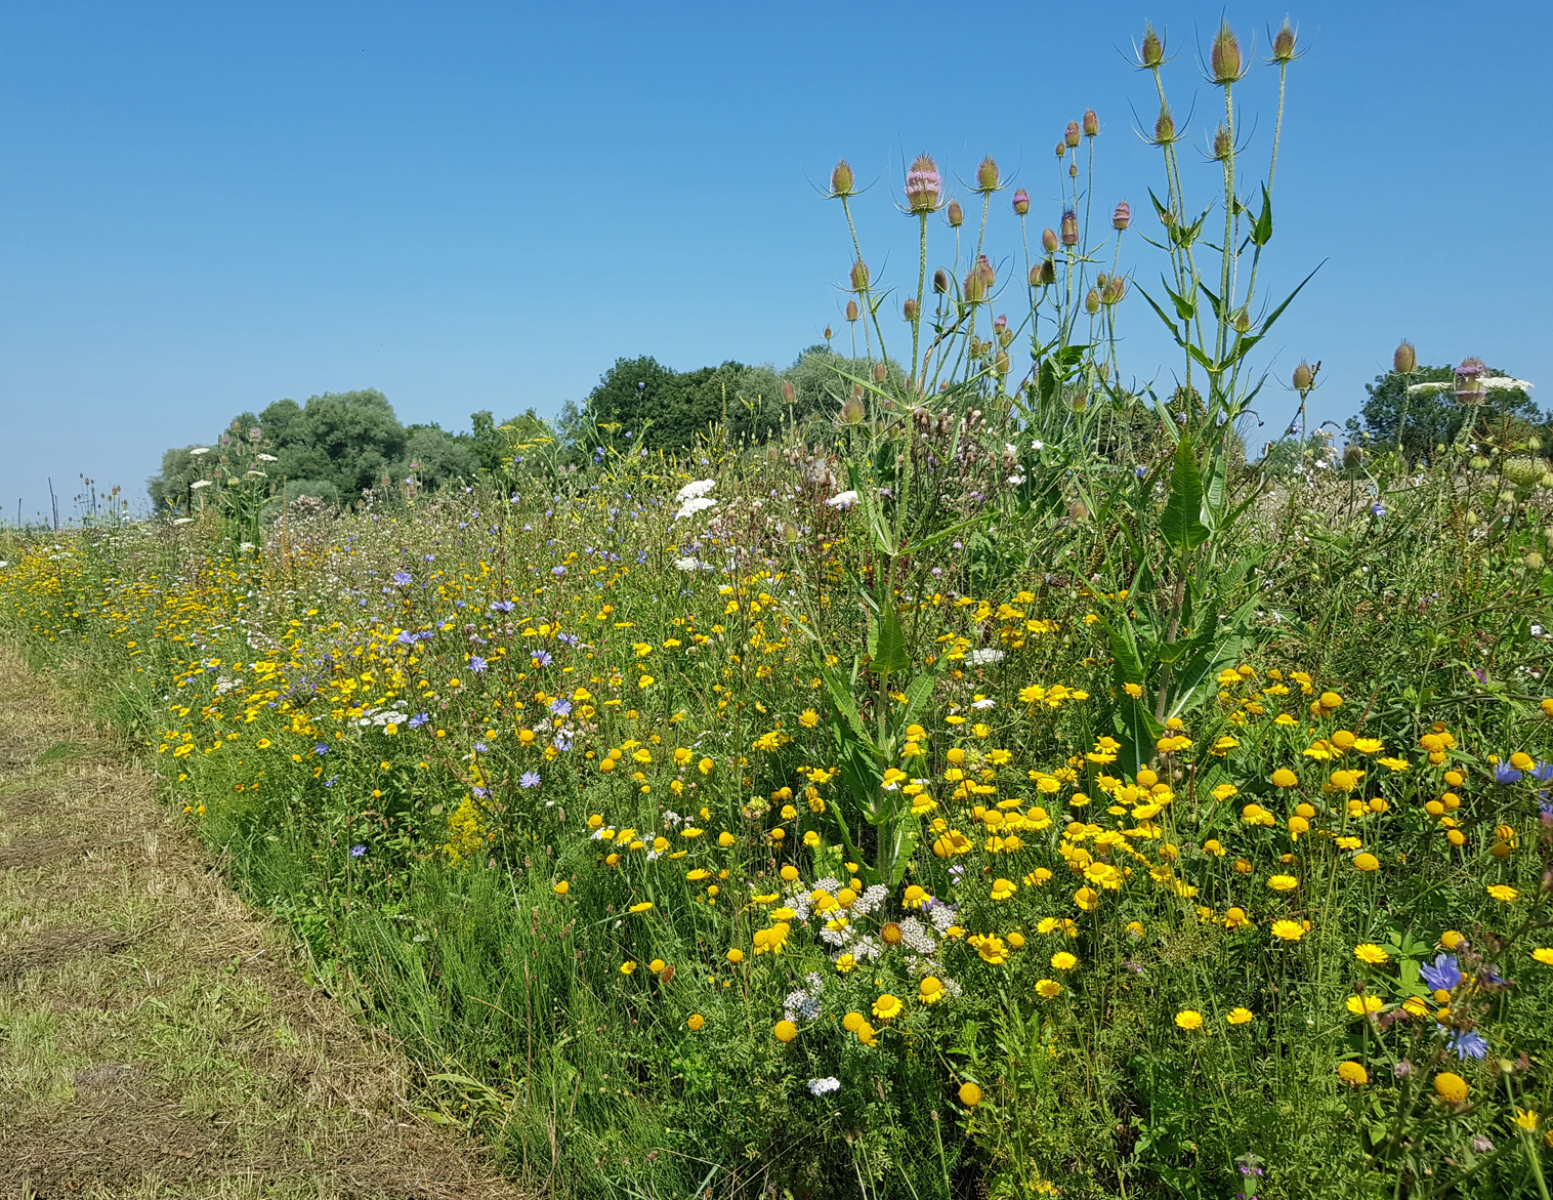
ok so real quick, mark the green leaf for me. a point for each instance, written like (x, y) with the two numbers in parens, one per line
(1186, 308)
(1262, 231)
(1181, 523)
(887, 643)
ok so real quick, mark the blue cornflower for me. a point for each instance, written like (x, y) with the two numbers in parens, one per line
(358, 851)
(502, 606)
(1468, 1045)
(530, 779)
(1542, 772)
(476, 663)
(558, 571)
(1443, 975)
(561, 707)
(1505, 773)
(1378, 509)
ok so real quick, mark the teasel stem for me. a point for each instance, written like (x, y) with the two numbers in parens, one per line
(1226, 300)
(916, 324)
(857, 250)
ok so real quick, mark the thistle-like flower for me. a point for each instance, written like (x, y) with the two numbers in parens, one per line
(1304, 377)
(940, 281)
(987, 175)
(859, 276)
(1471, 385)
(1091, 123)
(1092, 301)
(1153, 51)
(841, 180)
(1224, 59)
(1070, 228)
(1071, 135)
(1021, 202)
(1283, 43)
(979, 280)
(1122, 217)
(852, 310)
(924, 186)
(956, 214)
(910, 310)
(1164, 127)
(1049, 241)
(1221, 144)
(1405, 360)
(1115, 289)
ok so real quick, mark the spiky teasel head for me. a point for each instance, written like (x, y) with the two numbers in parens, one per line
(987, 175)
(852, 310)
(1070, 228)
(940, 281)
(1049, 241)
(841, 179)
(1021, 202)
(1222, 144)
(1470, 386)
(1122, 216)
(911, 310)
(852, 412)
(1092, 301)
(1404, 361)
(859, 276)
(1304, 378)
(1071, 135)
(1224, 59)
(1152, 53)
(1164, 127)
(956, 214)
(1091, 123)
(789, 392)
(1062, 149)
(924, 185)
(1115, 289)
(1043, 274)
(1283, 43)
(979, 280)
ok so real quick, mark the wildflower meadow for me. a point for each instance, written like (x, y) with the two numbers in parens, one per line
(992, 783)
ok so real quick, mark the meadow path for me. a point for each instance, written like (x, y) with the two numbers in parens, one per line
(155, 1040)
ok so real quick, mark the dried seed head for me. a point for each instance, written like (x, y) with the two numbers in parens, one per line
(1164, 127)
(1304, 377)
(1091, 123)
(841, 180)
(910, 310)
(852, 310)
(859, 276)
(1070, 228)
(956, 214)
(1404, 360)
(852, 412)
(1283, 43)
(1071, 135)
(1224, 58)
(987, 175)
(940, 281)
(1021, 202)
(924, 186)
(1122, 217)
(1353, 455)
(789, 393)
(1049, 241)
(1153, 52)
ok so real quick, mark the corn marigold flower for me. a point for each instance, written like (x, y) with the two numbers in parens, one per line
(1450, 1087)
(1048, 989)
(1239, 1016)
(1352, 1073)
(1285, 778)
(930, 990)
(1366, 863)
(888, 1006)
(1370, 953)
(562, 888)
(696, 1022)
(784, 1031)
(1189, 1019)
(1288, 931)
(1363, 1006)
(970, 1095)
(1003, 889)
(1543, 955)
(1063, 961)
(1503, 893)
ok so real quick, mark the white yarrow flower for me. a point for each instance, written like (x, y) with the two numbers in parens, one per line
(694, 490)
(843, 500)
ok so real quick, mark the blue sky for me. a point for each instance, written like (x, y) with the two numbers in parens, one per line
(204, 208)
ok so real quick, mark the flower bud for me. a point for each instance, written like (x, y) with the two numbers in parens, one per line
(1062, 150)
(1304, 377)
(1091, 123)
(828, 334)
(1164, 127)
(1072, 134)
(1049, 241)
(1000, 362)
(940, 281)
(1224, 58)
(852, 412)
(999, 323)
(924, 186)
(1153, 52)
(1283, 43)
(859, 276)
(984, 268)
(880, 371)
(1115, 289)
(987, 175)
(841, 179)
(1405, 359)
(1353, 455)
(1092, 302)
(1070, 228)
(1242, 320)
(852, 310)
(1021, 202)
(1073, 170)
(1221, 144)
(1122, 217)
(956, 214)
(789, 393)
(910, 310)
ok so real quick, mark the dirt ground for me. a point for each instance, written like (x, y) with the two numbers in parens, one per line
(155, 1037)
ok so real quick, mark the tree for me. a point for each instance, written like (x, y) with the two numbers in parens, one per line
(1424, 420)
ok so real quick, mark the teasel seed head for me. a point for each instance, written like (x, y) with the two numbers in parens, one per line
(1283, 43)
(910, 310)
(1405, 359)
(1153, 52)
(940, 281)
(924, 185)
(859, 276)
(1164, 127)
(987, 175)
(1071, 135)
(1222, 144)
(1070, 228)
(956, 214)
(841, 180)
(1122, 217)
(852, 310)
(1224, 59)
(1049, 241)
(1304, 378)
(789, 393)
(1091, 123)
(1092, 301)
(1021, 202)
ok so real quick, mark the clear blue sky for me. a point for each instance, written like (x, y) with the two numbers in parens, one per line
(207, 207)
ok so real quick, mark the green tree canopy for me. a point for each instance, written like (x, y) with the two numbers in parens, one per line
(1424, 420)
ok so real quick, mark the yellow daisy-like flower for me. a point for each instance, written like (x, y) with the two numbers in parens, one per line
(696, 1023)
(1363, 1006)
(1087, 899)
(1288, 931)
(1048, 989)
(992, 949)
(1353, 1074)
(1450, 1087)
(1450, 939)
(1503, 893)
(888, 1007)
(845, 963)
(1285, 778)
(1189, 1019)
(970, 1095)
(931, 990)
(1283, 883)
(642, 907)
(1543, 955)
(1369, 952)
(1366, 862)
(808, 718)
(784, 1031)
(1003, 889)
(736, 956)
(1527, 1119)
(1063, 961)
(562, 888)
(627, 968)
(1239, 1016)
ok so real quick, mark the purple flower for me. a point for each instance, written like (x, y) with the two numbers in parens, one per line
(402, 578)
(530, 779)
(1443, 975)
(358, 851)
(1377, 509)
(418, 720)
(502, 606)
(320, 749)
(1469, 1045)
(561, 707)
(476, 663)
(1542, 772)
(542, 658)
(558, 571)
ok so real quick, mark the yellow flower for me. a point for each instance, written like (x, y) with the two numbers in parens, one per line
(1048, 989)
(1003, 889)
(851, 1021)
(1362, 1006)
(1353, 1074)
(888, 1007)
(992, 949)
(785, 1031)
(705, 766)
(845, 963)
(1063, 961)
(1503, 893)
(1543, 955)
(915, 896)
(1366, 862)
(1283, 883)
(867, 1034)
(626, 968)
(696, 1022)
(1087, 899)
(1450, 939)
(1527, 1119)
(1225, 791)
(562, 888)
(931, 990)
(735, 956)
(1285, 778)
(1369, 952)
(970, 1095)
(1239, 1016)
(808, 718)
(1289, 931)
(642, 907)
(1450, 1087)
(1189, 1019)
